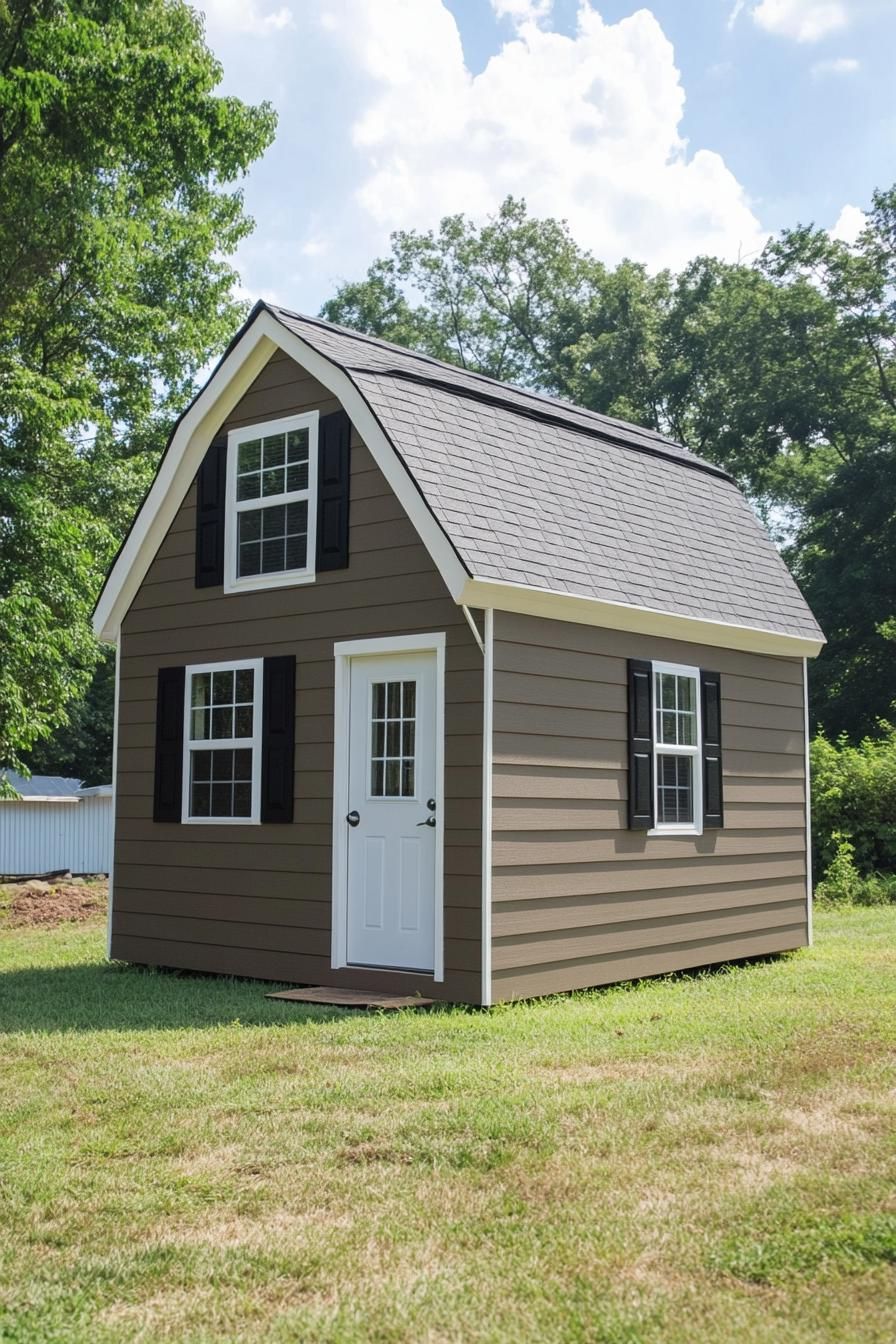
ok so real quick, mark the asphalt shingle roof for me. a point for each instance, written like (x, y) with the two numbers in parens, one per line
(533, 490)
(43, 786)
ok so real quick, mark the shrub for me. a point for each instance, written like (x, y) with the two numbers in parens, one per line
(843, 884)
(878, 889)
(854, 800)
(842, 880)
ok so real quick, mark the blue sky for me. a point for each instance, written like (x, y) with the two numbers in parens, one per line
(681, 127)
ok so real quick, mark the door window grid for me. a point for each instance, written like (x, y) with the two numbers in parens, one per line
(393, 720)
(221, 744)
(676, 747)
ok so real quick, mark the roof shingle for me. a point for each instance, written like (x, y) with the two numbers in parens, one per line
(532, 490)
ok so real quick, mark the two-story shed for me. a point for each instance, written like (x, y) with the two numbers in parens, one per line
(430, 684)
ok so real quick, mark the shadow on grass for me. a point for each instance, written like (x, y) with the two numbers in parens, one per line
(115, 996)
(110, 996)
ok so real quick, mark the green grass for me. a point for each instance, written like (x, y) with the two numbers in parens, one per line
(696, 1159)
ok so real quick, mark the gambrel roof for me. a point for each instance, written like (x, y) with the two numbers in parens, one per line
(526, 502)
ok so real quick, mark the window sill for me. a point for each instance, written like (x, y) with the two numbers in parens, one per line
(220, 821)
(692, 831)
(293, 579)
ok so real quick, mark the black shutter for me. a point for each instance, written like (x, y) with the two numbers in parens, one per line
(640, 745)
(333, 471)
(168, 791)
(278, 727)
(711, 699)
(211, 486)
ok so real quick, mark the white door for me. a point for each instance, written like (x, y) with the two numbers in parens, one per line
(392, 815)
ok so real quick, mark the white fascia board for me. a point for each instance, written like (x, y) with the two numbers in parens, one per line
(527, 601)
(43, 798)
(175, 475)
(201, 422)
(381, 449)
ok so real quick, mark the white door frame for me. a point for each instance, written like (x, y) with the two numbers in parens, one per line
(344, 652)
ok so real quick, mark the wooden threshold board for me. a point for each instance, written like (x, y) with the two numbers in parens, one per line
(351, 998)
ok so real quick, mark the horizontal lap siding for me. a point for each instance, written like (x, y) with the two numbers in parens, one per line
(256, 900)
(578, 899)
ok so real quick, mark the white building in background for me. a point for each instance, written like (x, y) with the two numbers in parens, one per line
(53, 825)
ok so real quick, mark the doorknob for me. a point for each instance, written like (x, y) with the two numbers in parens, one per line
(430, 821)
(353, 818)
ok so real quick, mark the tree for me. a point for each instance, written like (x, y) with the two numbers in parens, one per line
(118, 211)
(783, 371)
(82, 747)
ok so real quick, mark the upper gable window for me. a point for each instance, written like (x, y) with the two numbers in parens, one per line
(271, 503)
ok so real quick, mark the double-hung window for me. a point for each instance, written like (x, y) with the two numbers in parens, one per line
(222, 742)
(271, 525)
(677, 773)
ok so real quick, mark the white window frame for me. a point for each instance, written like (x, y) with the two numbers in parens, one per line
(694, 827)
(224, 743)
(289, 577)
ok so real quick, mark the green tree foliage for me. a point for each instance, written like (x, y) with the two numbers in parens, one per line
(82, 747)
(118, 211)
(783, 371)
(854, 797)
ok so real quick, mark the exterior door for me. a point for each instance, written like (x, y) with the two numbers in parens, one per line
(392, 811)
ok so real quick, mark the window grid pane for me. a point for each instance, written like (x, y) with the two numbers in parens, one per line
(222, 704)
(393, 736)
(273, 540)
(676, 710)
(675, 789)
(221, 782)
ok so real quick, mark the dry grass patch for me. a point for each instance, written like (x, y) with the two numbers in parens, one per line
(683, 1161)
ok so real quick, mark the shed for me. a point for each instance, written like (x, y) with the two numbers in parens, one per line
(427, 683)
(55, 825)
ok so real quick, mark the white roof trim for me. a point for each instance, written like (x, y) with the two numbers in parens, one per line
(519, 597)
(234, 376)
(381, 449)
(42, 798)
(229, 383)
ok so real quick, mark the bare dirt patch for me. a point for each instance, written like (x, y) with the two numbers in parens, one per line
(48, 904)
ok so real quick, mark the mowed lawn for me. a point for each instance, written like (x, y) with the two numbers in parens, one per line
(704, 1158)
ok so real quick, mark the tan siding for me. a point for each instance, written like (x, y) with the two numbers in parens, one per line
(256, 900)
(514, 917)
(666, 956)
(523, 950)
(578, 899)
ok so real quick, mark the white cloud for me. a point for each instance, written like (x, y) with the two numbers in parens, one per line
(584, 127)
(245, 16)
(523, 11)
(850, 223)
(841, 65)
(802, 20)
(382, 125)
(736, 12)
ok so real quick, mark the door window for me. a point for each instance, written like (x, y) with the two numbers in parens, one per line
(393, 721)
